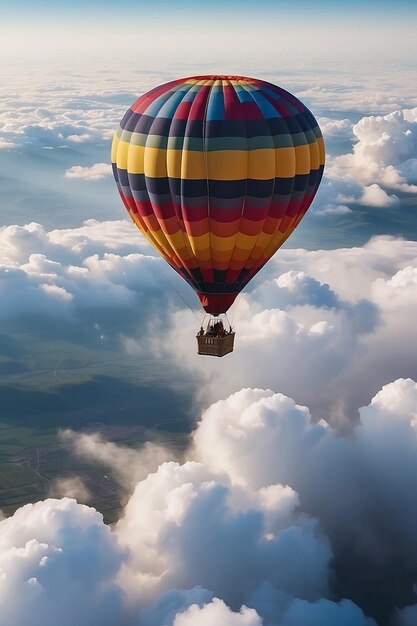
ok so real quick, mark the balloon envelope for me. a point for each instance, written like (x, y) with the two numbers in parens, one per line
(217, 172)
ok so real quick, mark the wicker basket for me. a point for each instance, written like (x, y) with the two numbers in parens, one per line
(215, 346)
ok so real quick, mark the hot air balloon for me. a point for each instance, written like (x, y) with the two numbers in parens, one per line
(217, 172)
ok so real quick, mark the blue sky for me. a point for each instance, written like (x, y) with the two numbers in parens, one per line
(47, 11)
(150, 4)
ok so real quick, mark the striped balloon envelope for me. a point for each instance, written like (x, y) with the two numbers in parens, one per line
(217, 172)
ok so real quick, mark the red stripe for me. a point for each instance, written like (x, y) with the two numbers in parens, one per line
(251, 111)
(198, 108)
(232, 106)
(216, 303)
(182, 111)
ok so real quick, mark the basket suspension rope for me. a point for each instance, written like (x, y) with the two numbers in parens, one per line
(158, 271)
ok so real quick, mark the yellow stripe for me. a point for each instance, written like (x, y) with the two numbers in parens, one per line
(151, 161)
(261, 164)
(322, 150)
(195, 81)
(122, 149)
(176, 240)
(263, 240)
(285, 162)
(114, 146)
(200, 246)
(314, 156)
(240, 255)
(228, 165)
(222, 244)
(218, 81)
(246, 242)
(221, 257)
(302, 156)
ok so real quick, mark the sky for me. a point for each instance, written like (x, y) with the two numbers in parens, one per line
(155, 32)
(293, 501)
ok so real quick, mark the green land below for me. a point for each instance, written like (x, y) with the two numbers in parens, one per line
(48, 385)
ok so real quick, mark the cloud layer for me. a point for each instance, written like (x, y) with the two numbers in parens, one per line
(348, 310)
(252, 530)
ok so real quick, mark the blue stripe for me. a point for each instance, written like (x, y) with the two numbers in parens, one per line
(215, 109)
(265, 106)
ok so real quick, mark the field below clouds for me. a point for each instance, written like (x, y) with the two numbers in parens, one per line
(273, 487)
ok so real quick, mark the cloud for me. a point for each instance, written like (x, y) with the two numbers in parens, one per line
(202, 513)
(70, 487)
(342, 93)
(269, 524)
(384, 144)
(129, 465)
(76, 276)
(325, 613)
(373, 195)
(383, 156)
(55, 119)
(329, 209)
(217, 613)
(382, 161)
(94, 172)
(171, 603)
(58, 563)
(256, 436)
(336, 128)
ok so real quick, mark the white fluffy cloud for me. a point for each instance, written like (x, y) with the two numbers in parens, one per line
(373, 195)
(350, 484)
(217, 613)
(94, 172)
(385, 144)
(179, 519)
(58, 562)
(66, 273)
(240, 535)
(336, 128)
(382, 163)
